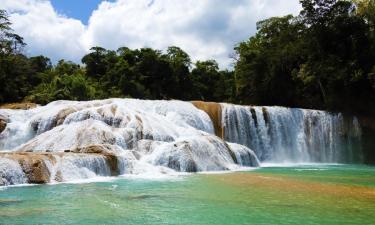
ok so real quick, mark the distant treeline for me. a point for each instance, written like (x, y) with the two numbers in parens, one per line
(323, 58)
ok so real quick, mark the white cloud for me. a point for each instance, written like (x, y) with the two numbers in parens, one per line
(206, 29)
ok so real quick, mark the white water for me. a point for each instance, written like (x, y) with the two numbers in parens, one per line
(282, 135)
(157, 138)
(11, 172)
(148, 137)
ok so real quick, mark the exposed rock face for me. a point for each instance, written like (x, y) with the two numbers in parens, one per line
(213, 110)
(39, 168)
(3, 123)
(36, 170)
(34, 166)
(24, 106)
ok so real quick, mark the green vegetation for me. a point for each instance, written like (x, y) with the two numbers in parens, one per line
(323, 58)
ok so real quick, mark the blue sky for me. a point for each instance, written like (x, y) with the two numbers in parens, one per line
(205, 29)
(78, 9)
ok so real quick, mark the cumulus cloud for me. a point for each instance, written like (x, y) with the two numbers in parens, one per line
(206, 29)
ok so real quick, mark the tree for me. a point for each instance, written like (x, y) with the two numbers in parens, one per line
(319, 59)
(14, 67)
(180, 63)
(10, 43)
(95, 62)
(204, 77)
(266, 61)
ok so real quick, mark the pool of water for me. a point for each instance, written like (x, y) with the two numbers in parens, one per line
(310, 194)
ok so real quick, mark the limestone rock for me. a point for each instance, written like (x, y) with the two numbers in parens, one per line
(36, 171)
(22, 105)
(99, 149)
(213, 110)
(3, 124)
(34, 166)
(39, 167)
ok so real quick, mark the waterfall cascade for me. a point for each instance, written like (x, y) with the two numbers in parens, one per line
(68, 140)
(280, 134)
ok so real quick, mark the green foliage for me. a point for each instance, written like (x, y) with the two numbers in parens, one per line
(57, 85)
(323, 58)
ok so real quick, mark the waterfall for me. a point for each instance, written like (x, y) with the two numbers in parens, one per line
(11, 172)
(70, 140)
(279, 134)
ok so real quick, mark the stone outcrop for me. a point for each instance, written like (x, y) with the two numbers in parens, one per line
(97, 149)
(3, 123)
(108, 151)
(22, 105)
(34, 166)
(37, 167)
(213, 110)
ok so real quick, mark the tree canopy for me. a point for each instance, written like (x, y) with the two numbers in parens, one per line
(322, 58)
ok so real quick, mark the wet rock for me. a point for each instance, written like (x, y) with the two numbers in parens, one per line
(36, 171)
(113, 163)
(188, 165)
(266, 116)
(35, 167)
(99, 149)
(231, 153)
(3, 124)
(254, 116)
(244, 156)
(213, 110)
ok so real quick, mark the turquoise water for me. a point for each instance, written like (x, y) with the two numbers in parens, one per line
(316, 194)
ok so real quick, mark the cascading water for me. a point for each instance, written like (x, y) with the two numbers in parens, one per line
(279, 134)
(68, 140)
